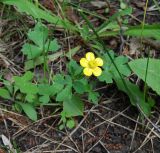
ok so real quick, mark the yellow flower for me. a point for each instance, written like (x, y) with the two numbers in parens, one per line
(91, 65)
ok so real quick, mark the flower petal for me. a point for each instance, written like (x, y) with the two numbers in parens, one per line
(97, 71)
(99, 61)
(90, 56)
(84, 62)
(87, 71)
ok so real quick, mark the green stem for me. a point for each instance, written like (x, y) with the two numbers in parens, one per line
(143, 23)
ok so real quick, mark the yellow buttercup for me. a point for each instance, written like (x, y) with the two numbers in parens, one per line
(91, 65)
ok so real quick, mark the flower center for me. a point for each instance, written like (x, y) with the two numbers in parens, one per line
(92, 64)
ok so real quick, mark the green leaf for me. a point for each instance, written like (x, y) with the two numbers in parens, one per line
(59, 78)
(121, 63)
(85, 33)
(40, 60)
(44, 89)
(50, 90)
(109, 69)
(68, 80)
(23, 83)
(63, 117)
(52, 46)
(41, 45)
(139, 66)
(31, 51)
(30, 97)
(56, 88)
(93, 97)
(39, 34)
(110, 26)
(65, 94)
(151, 31)
(30, 64)
(74, 68)
(8, 86)
(106, 76)
(29, 110)
(44, 99)
(73, 106)
(58, 84)
(61, 127)
(27, 76)
(72, 52)
(26, 87)
(81, 86)
(70, 124)
(135, 95)
(107, 60)
(31, 9)
(114, 17)
(4, 93)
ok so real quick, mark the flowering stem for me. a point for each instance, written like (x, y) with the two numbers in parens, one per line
(103, 45)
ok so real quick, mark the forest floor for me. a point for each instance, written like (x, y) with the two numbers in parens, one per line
(112, 126)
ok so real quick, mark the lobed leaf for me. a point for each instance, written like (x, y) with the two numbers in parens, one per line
(39, 35)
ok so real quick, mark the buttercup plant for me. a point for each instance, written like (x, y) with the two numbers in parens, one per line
(68, 88)
(91, 65)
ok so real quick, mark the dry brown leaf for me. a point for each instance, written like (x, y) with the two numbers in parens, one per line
(99, 4)
(139, 4)
(14, 117)
(9, 77)
(71, 15)
(3, 61)
(8, 143)
(135, 46)
(2, 151)
(48, 4)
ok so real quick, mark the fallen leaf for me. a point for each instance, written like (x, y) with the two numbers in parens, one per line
(48, 4)
(135, 46)
(99, 4)
(15, 118)
(2, 151)
(139, 4)
(71, 15)
(8, 143)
